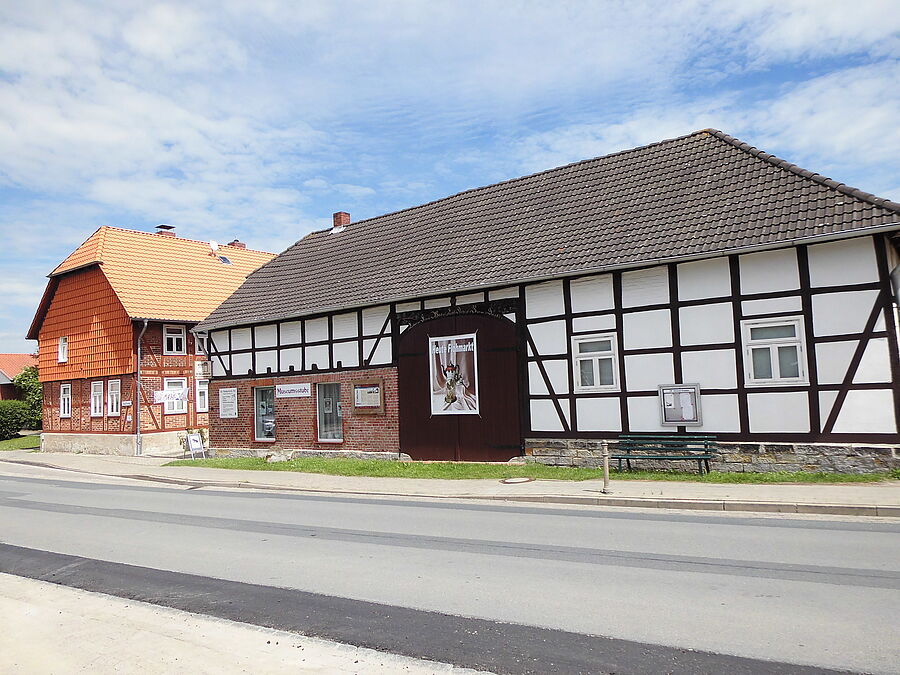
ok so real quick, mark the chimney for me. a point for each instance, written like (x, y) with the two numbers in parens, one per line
(165, 230)
(237, 244)
(340, 220)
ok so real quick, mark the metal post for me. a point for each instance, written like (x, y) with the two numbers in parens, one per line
(605, 467)
(139, 441)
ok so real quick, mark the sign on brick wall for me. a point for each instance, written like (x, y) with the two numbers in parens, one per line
(228, 403)
(297, 390)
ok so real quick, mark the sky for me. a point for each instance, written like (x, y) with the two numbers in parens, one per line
(258, 120)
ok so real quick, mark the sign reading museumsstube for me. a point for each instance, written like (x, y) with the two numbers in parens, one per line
(454, 379)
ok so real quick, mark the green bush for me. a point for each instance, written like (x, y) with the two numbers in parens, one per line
(32, 393)
(13, 415)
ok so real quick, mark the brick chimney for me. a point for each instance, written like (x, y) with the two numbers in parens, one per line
(340, 220)
(237, 244)
(165, 230)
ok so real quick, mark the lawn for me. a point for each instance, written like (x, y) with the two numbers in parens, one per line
(21, 443)
(467, 470)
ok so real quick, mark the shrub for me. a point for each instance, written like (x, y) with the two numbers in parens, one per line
(32, 393)
(13, 415)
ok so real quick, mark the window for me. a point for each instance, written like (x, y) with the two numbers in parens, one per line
(773, 351)
(264, 413)
(176, 384)
(114, 398)
(96, 399)
(329, 414)
(62, 351)
(65, 400)
(200, 345)
(594, 361)
(202, 395)
(173, 340)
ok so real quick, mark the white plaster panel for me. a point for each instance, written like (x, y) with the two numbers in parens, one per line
(594, 323)
(291, 333)
(536, 384)
(469, 298)
(557, 372)
(344, 325)
(219, 366)
(704, 279)
(592, 294)
(409, 307)
(544, 299)
(643, 414)
(221, 340)
(241, 364)
(373, 319)
(789, 303)
(826, 403)
(382, 355)
(265, 336)
(875, 365)
(291, 357)
(266, 359)
(833, 359)
(598, 414)
(544, 416)
(433, 303)
(549, 337)
(850, 261)
(720, 413)
(317, 356)
(706, 324)
(867, 411)
(711, 369)
(778, 412)
(317, 330)
(645, 287)
(347, 353)
(504, 293)
(841, 313)
(403, 327)
(769, 271)
(645, 372)
(240, 338)
(643, 330)
(511, 317)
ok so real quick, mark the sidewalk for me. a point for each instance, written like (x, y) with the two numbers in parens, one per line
(876, 499)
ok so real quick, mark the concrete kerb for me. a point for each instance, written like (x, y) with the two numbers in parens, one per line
(600, 500)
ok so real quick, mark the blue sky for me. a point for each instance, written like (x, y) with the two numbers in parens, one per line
(259, 119)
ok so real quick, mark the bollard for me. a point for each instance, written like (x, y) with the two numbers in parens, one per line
(606, 467)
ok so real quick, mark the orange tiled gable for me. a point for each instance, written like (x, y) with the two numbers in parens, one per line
(13, 364)
(160, 277)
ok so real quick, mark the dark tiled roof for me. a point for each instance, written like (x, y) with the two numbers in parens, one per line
(700, 194)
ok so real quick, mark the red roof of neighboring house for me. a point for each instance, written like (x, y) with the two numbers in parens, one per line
(13, 364)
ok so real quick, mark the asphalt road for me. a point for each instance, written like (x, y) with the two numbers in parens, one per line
(751, 594)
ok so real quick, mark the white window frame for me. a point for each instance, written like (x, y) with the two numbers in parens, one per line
(97, 398)
(256, 436)
(181, 335)
(62, 349)
(338, 412)
(114, 398)
(200, 348)
(175, 407)
(799, 341)
(65, 400)
(203, 386)
(577, 358)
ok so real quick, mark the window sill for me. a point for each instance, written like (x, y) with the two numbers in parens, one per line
(176, 412)
(776, 383)
(594, 390)
(264, 440)
(331, 440)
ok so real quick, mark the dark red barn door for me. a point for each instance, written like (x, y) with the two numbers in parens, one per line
(494, 433)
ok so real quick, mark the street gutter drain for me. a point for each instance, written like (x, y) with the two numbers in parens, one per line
(512, 481)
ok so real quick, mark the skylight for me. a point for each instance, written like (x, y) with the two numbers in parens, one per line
(224, 260)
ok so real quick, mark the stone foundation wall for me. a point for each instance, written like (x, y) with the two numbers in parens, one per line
(757, 457)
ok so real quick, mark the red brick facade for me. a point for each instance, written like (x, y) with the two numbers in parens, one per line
(295, 418)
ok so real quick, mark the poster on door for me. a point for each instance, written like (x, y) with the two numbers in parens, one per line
(454, 379)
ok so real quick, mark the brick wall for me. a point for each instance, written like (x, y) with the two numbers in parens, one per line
(295, 418)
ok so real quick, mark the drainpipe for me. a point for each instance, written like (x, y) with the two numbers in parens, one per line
(137, 394)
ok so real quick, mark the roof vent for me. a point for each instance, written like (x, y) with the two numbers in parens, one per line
(237, 244)
(165, 230)
(340, 220)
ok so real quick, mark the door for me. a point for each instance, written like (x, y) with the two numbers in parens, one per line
(459, 389)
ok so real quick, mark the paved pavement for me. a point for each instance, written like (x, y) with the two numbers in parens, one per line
(878, 499)
(501, 587)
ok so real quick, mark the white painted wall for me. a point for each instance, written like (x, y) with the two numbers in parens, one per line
(769, 271)
(220, 364)
(434, 303)
(711, 369)
(317, 356)
(789, 303)
(778, 412)
(719, 413)
(291, 357)
(382, 355)
(544, 299)
(409, 307)
(841, 313)
(266, 358)
(557, 372)
(504, 293)
(642, 330)
(645, 287)
(597, 324)
(373, 319)
(549, 337)
(867, 411)
(592, 294)
(645, 372)
(849, 261)
(643, 414)
(265, 336)
(317, 330)
(875, 365)
(221, 339)
(347, 353)
(241, 364)
(704, 279)
(345, 325)
(240, 338)
(706, 324)
(469, 298)
(290, 332)
(544, 416)
(598, 414)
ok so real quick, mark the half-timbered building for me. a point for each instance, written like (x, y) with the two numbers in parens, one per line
(696, 285)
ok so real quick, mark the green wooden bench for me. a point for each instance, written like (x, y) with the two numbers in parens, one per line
(695, 448)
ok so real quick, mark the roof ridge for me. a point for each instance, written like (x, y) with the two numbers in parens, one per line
(177, 238)
(774, 160)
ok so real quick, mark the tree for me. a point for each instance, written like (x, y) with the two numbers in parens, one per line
(32, 394)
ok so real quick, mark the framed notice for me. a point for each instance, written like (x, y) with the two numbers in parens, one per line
(453, 373)
(228, 403)
(368, 397)
(679, 405)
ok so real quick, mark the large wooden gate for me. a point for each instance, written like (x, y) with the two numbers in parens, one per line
(494, 433)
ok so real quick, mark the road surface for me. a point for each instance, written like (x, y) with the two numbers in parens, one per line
(748, 594)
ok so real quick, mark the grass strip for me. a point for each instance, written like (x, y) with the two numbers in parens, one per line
(21, 443)
(471, 470)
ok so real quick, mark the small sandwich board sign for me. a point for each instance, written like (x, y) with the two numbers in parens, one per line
(195, 445)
